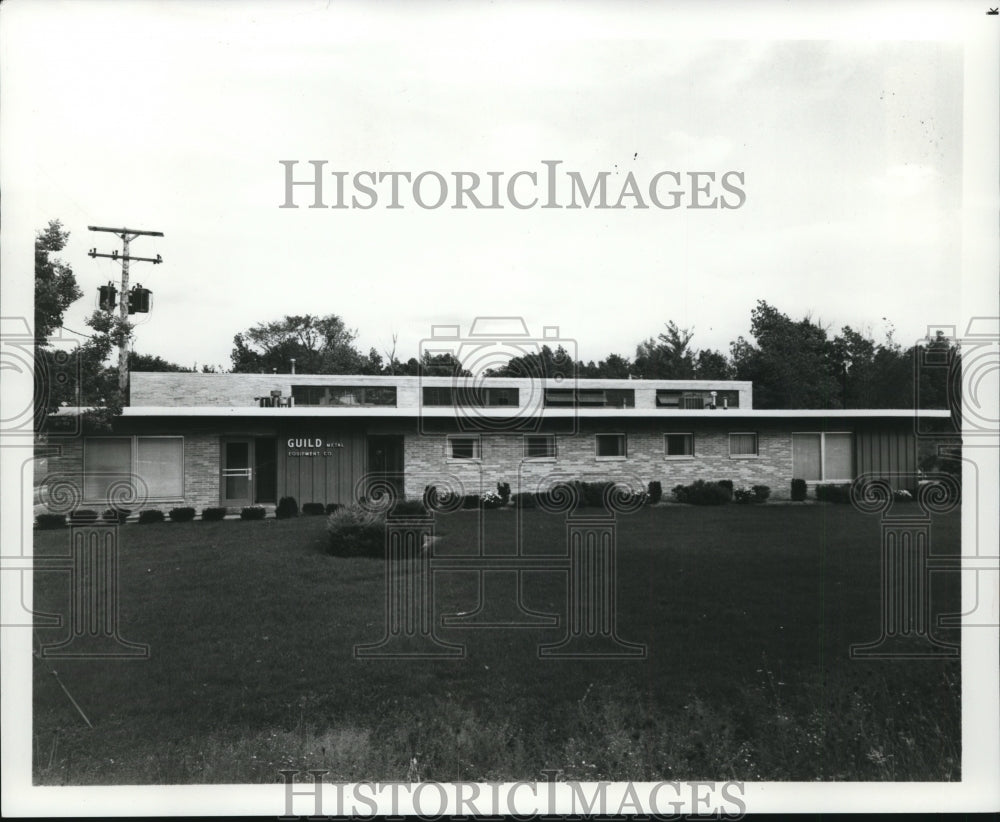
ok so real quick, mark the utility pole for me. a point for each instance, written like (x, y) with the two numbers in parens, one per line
(126, 235)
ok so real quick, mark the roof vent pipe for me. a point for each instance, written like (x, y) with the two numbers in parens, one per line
(713, 394)
(293, 364)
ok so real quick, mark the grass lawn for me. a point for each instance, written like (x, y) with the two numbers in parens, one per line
(747, 613)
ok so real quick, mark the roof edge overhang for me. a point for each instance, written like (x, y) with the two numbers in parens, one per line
(314, 412)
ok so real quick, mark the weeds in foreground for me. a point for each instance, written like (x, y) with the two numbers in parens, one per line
(863, 729)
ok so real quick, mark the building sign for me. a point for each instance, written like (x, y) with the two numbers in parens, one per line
(312, 447)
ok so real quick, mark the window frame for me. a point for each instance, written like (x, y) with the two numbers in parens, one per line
(611, 458)
(822, 455)
(477, 455)
(133, 441)
(756, 444)
(688, 456)
(547, 457)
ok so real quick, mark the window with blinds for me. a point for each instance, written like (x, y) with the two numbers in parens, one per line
(822, 457)
(743, 445)
(157, 462)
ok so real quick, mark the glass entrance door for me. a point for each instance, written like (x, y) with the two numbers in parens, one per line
(236, 485)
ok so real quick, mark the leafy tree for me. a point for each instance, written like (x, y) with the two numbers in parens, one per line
(319, 345)
(792, 364)
(544, 363)
(668, 356)
(151, 362)
(712, 365)
(55, 283)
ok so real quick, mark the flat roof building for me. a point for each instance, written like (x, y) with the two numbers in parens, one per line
(232, 440)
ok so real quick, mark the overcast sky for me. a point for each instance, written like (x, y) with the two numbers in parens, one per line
(174, 116)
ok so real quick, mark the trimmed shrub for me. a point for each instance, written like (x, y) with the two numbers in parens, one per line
(150, 515)
(50, 521)
(503, 490)
(654, 492)
(287, 508)
(491, 499)
(312, 509)
(751, 496)
(470, 501)
(408, 508)
(702, 493)
(591, 494)
(82, 515)
(118, 515)
(728, 485)
(213, 514)
(355, 532)
(524, 499)
(840, 494)
(332, 506)
(253, 512)
(798, 490)
(182, 514)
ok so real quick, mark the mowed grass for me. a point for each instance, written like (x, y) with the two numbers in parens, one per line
(747, 614)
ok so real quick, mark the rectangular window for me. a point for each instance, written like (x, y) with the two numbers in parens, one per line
(464, 448)
(590, 397)
(344, 395)
(822, 457)
(807, 457)
(437, 395)
(470, 398)
(678, 445)
(158, 462)
(611, 446)
(539, 446)
(668, 398)
(743, 445)
(106, 461)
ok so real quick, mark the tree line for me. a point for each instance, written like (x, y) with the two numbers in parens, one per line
(793, 363)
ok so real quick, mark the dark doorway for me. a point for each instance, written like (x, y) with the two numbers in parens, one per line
(266, 464)
(385, 460)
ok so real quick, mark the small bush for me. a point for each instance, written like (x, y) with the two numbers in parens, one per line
(118, 515)
(654, 491)
(287, 508)
(840, 494)
(408, 508)
(524, 499)
(182, 514)
(355, 532)
(702, 493)
(150, 515)
(798, 490)
(82, 515)
(213, 514)
(728, 485)
(592, 494)
(50, 521)
(751, 496)
(332, 506)
(470, 501)
(503, 490)
(253, 512)
(312, 509)
(491, 499)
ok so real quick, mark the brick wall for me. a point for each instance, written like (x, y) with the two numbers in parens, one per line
(502, 461)
(201, 473)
